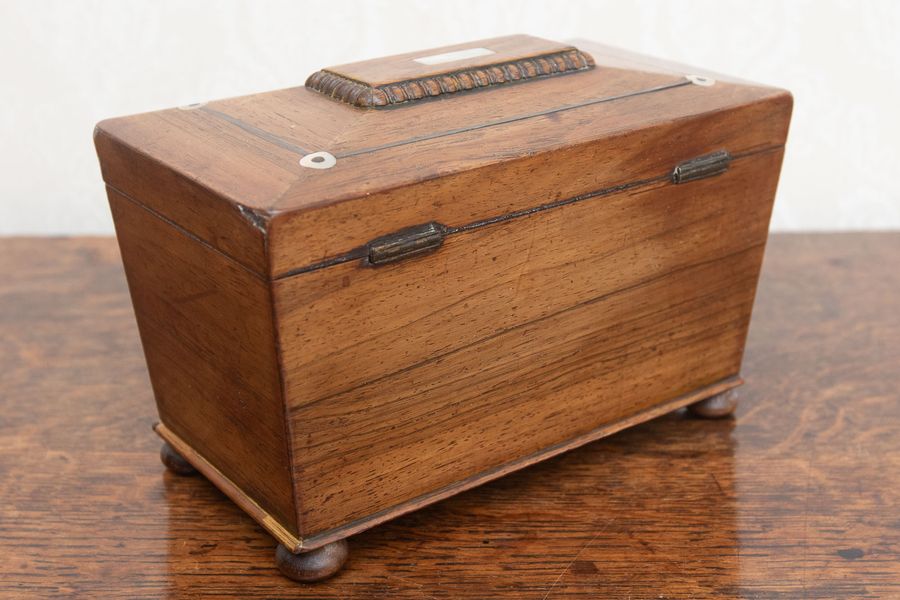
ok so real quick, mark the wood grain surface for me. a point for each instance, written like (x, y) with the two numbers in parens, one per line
(192, 303)
(228, 170)
(408, 378)
(797, 497)
(579, 286)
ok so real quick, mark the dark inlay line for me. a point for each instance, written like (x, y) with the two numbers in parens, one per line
(603, 256)
(646, 281)
(556, 204)
(261, 133)
(362, 251)
(540, 113)
(282, 143)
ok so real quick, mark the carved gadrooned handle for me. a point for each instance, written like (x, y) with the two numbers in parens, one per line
(408, 78)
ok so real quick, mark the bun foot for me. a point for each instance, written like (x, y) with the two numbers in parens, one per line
(314, 565)
(174, 461)
(715, 407)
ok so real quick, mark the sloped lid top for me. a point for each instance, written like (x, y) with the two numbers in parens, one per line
(287, 178)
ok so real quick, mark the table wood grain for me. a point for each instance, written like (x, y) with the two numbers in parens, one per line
(798, 496)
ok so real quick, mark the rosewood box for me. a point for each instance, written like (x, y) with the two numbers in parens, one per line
(418, 273)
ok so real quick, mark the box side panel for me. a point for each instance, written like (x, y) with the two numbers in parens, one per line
(207, 329)
(406, 378)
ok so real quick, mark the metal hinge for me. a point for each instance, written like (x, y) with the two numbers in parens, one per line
(405, 243)
(707, 165)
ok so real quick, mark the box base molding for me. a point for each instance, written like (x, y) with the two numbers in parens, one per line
(719, 394)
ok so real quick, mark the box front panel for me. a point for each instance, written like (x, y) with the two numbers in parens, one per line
(406, 378)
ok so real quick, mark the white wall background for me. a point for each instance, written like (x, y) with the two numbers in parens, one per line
(66, 64)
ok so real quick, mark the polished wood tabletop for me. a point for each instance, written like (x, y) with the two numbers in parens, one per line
(797, 496)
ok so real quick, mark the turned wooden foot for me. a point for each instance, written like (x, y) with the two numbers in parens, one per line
(315, 565)
(174, 461)
(715, 407)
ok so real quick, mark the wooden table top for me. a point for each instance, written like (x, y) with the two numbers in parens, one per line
(798, 496)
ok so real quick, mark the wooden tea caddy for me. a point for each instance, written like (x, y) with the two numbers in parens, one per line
(419, 273)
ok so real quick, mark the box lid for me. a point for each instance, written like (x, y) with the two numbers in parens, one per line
(450, 138)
